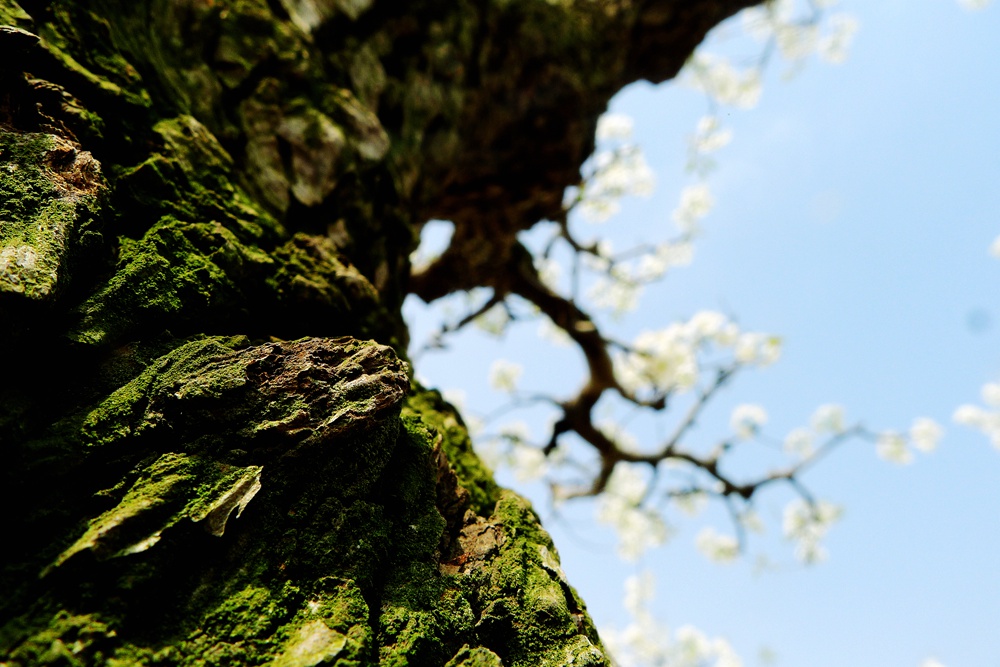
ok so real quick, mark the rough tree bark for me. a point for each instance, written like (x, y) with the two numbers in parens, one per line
(213, 450)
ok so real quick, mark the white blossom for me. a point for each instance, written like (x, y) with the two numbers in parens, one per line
(528, 463)
(971, 415)
(799, 443)
(667, 359)
(925, 434)
(616, 174)
(614, 127)
(828, 418)
(982, 419)
(796, 42)
(549, 272)
(720, 80)
(806, 524)
(757, 348)
(616, 433)
(797, 38)
(706, 324)
(601, 261)
(752, 522)
(639, 528)
(504, 375)
(628, 484)
(991, 394)
(710, 136)
(975, 5)
(782, 11)
(717, 547)
(619, 295)
(833, 46)
(891, 446)
(666, 256)
(597, 209)
(746, 420)
(695, 203)
(639, 592)
(663, 360)
(646, 642)
(757, 22)
(725, 655)
(548, 331)
(692, 645)
(692, 503)
(494, 321)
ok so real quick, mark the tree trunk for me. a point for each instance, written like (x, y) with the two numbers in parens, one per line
(213, 449)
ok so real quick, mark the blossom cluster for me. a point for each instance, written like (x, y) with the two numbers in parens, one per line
(983, 419)
(799, 36)
(892, 446)
(504, 375)
(806, 524)
(511, 448)
(621, 506)
(722, 81)
(896, 447)
(621, 285)
(617, 170)
(716, 546)
(668, 359)
(646, 641)
(709, 137)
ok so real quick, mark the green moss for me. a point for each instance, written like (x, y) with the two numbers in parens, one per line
(125, 413)
(253, 612)
(190, 177)
(240, 628)
(44, 218)
(194, 270)
(181, 274)
(346, 540)
(475, 657)
(313, 643)
(502, 590)
(172, 488)
(423, 621)
(525, 588)
(73, 640)
(12, 14)
(331, 625)
(20, 151)
(81, 42)
(221, 598)
(428, 417)
(270, 164)
(315, 288)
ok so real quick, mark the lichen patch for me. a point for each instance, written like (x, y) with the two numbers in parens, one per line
(311, 644)
(50, 194)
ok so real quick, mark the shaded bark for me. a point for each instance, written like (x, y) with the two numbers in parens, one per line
(213, 449)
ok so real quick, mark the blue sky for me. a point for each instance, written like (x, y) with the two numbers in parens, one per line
(854, 210)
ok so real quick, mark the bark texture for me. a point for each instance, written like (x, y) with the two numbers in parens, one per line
(213, 451)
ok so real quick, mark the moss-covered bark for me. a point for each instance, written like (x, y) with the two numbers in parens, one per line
(213, 452)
